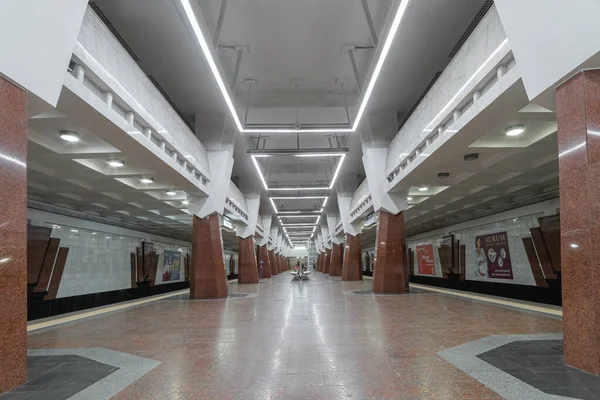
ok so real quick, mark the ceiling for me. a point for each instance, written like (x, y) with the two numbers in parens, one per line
(285, 40)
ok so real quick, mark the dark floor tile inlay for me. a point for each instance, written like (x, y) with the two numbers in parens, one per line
(58, 377)
(540, 364)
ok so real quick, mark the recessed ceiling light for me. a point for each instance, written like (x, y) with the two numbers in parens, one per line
(146, 180)
(423, 189)
(116, 163)
(74, 230)
(185, 202)
(93, 233)
(409, 198)
(471, 157)
(69, 136)
(170, 193)
(515, 130)
(443, 174)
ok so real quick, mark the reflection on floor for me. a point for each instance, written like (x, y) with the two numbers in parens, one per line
(303, 340)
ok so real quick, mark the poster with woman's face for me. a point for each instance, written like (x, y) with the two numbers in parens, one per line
(493, 256)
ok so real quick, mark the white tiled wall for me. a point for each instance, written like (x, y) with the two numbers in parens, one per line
(515, 223)
(99, 255)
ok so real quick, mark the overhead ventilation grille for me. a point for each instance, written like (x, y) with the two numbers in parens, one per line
(482, 12)
(112, 29)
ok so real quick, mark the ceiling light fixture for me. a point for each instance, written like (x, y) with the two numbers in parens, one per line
(297, 197)
(333, 179)
(185, 202)
(443, 174)
(170, 193)
(409, 198)
(515, 130)
(324, 202)
(423, 189)
(69, 136)
(273, 204)
(210, 58)
(147, 180)
(471, 157)
(116, 163)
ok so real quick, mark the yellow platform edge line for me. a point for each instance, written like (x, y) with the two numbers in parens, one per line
(46, 324)
(485, 299)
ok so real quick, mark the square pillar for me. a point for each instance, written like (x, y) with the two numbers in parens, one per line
(207, 273)
(352, 270)
(13, 236)
(273, 263)
(578, 115)
(335, 264)
(247, 268)
(264, 262)
(390, 274)
(326, 261)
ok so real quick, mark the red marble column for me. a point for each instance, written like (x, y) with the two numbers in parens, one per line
(578, 114)
(319, 262)
(207, 272)
(247, 268)
(263, 259)
(352, 270)
(321, 258)
(335, 264)
(13, 236)
(284, 264)
(273, 263)
(326, 261)
(390, 274)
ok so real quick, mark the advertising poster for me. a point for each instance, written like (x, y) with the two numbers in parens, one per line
(493, 256)
(425, 260)
(171, 265)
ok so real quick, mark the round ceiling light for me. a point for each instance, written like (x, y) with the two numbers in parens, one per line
(171, 193)
(515, 130)
(147, 180)
(116, 163)
(69, 136)
(423, 189)
(471, 157)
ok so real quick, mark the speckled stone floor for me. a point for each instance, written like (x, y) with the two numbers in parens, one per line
(300, 340)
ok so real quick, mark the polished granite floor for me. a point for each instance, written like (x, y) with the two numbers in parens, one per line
(300, 340)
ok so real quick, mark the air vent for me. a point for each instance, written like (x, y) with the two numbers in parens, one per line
(482, 12)
(112, 29)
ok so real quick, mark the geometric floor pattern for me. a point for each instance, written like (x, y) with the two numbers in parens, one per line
(523, 367)
(78, 374)
(299, 340)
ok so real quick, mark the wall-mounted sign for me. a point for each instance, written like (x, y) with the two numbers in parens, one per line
(371, 219)
(171, 265)
(227, 223)
(425, 260)
(493, 256)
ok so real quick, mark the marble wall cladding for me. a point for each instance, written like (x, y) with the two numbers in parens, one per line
(335, 264)
(247, 261)
(273, 263)
(264, 264)
(578, 116)
(207, 272)
(97, 40)
(484, 40)
(99, 256)
(391, 272)
(326, 261)
(516, 223)
(13, 236)
(352, 270)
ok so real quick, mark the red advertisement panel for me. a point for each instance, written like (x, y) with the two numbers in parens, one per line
(493, 256)
(425, 260)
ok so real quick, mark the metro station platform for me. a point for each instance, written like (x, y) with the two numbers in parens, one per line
(317, 339)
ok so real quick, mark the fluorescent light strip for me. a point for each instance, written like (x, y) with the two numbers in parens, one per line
(264, 182)
(211, 61)
(320, 155)
(189, 12)
(297, 197)
(273, 204)
(299, 224)
(299, 216)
